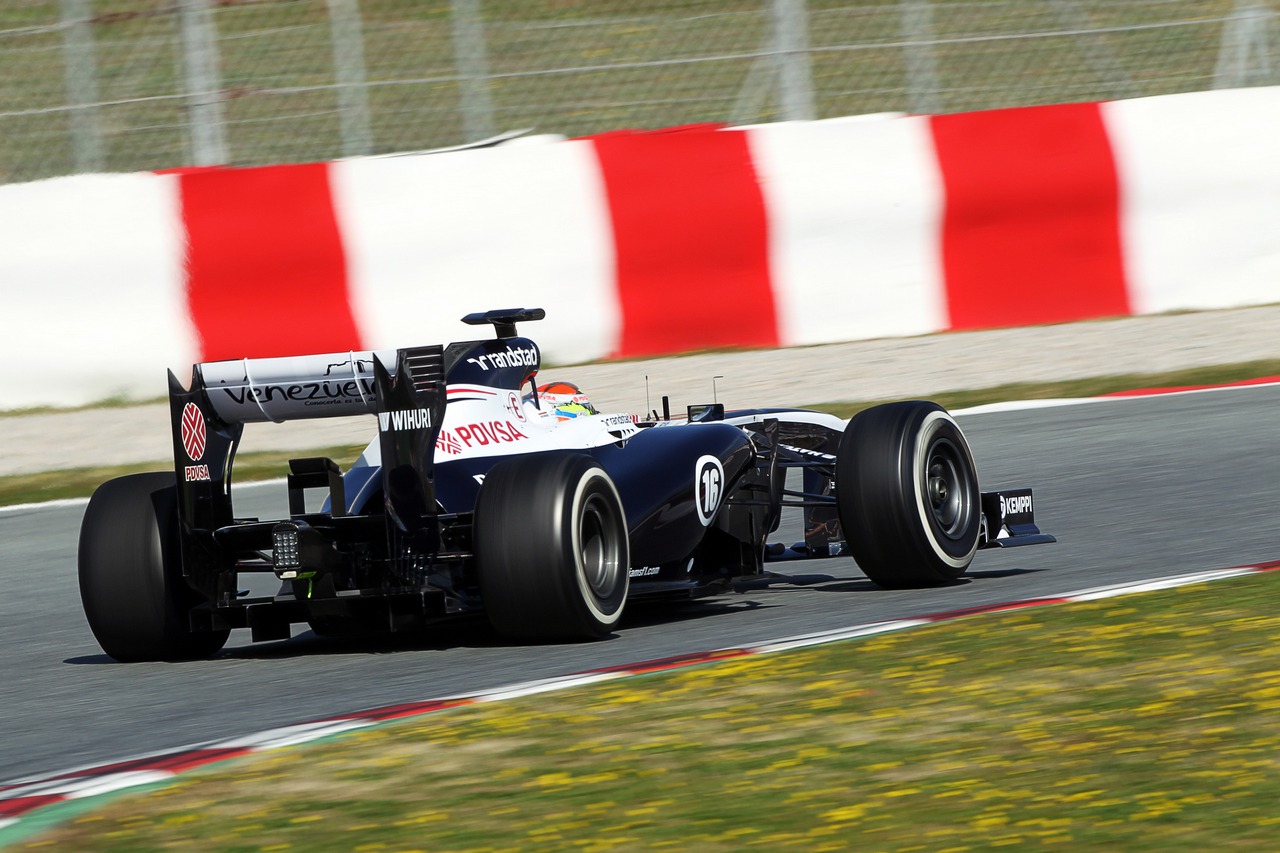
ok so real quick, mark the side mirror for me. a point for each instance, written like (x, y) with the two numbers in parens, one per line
(706, 412)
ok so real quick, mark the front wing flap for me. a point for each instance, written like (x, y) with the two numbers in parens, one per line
(1009, 520)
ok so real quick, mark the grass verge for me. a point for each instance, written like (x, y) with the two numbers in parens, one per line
(114, 402)
(1150, 722)
(1224, 374)
(80, 482)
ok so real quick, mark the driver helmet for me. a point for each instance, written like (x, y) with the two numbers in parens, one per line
(565, 400)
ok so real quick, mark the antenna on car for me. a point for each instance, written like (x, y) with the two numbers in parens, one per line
(647, 407)
(504, 319)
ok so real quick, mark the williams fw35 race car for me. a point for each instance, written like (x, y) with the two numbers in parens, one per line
(485, 492)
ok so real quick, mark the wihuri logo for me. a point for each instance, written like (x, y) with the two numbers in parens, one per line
(412, 419)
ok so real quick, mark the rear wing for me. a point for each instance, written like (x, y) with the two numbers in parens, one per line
(404, 388)
(341, 384)
(282, 389)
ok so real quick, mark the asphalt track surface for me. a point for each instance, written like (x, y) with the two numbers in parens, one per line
(1134, 489)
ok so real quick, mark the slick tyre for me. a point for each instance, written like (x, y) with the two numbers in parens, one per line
(131, 584)
(907, 495)
(551, 547)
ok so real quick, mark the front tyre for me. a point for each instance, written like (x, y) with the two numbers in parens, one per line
(907, 495)
(551, 546)
(130, 566)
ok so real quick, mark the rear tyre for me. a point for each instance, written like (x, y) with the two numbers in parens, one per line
(907, 495)
(551, 546)
(130, 567)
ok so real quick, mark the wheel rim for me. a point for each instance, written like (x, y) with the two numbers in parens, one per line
(600, 554)
(948, 485)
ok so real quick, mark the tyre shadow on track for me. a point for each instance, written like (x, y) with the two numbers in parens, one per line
(461, 633)
(1003, 573)
(829, 583)
(469, 634)
(648, 614)
(86, 660)
(475, 632)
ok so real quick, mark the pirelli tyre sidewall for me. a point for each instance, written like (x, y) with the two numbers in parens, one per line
(598, 545)
(552, 549)
(907, 494)
(946, 490)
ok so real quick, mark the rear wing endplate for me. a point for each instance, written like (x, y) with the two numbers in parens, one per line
(404, 388)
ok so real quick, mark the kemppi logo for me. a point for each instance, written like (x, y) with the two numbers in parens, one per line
(1014, 505)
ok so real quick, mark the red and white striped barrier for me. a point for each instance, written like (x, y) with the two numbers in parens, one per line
(641, 243)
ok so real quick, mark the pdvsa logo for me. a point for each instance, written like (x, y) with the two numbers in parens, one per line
(493, 432)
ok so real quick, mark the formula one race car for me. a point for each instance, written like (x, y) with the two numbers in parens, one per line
(486, 492)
